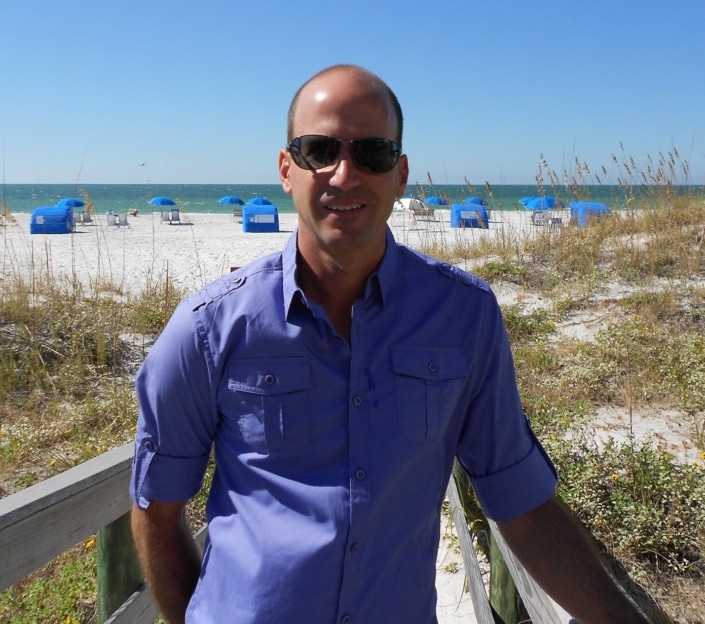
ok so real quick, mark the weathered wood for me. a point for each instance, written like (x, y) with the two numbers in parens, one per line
(46, 519)
(480, 602)
(504, 596)
(538, 603)
(119, 572)
(137, 609)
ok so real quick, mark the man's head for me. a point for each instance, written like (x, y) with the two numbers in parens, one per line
(375, 82)
(343, 163)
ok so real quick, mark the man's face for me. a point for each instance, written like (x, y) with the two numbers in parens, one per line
(343, 209)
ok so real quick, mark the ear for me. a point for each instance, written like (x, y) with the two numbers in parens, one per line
(403, 169)
(284, 169)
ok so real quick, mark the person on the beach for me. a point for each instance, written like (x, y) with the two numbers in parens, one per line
(336, 382)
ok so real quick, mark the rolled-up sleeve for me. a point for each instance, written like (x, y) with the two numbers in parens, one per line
(520, 488)
(177, 417)
(506, 464)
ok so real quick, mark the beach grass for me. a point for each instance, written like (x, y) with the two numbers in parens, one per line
(69, 352)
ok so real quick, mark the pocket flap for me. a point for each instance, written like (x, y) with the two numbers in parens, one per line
(431, 364)
(270, 376)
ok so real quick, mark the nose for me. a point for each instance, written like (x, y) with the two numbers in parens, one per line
(345, 172)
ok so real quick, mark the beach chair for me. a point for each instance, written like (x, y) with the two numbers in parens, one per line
(174, 218)
(122, 219)
(424, 213)
(540, 217)
(237, 214)
(112, 218)
(165, 216)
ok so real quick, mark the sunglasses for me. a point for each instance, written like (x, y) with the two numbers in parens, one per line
(315, 151)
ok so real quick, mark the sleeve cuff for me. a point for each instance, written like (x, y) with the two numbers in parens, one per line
(166, 479)
(518, 489)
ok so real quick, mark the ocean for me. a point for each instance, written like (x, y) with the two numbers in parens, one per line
(23, 198)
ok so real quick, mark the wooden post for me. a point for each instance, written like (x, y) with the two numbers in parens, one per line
(504, 596)
(119, 571)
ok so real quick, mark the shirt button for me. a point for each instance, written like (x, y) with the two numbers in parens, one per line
(269, 379)
(149, 446)
(354, 548)
(360, 474)
(357, 400)
(346, 619)
(432, 367)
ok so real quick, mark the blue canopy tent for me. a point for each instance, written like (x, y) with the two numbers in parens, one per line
(469, 216)
(260, 217)
(51, 220)
(582, 211)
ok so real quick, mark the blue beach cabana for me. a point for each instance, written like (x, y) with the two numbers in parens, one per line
(581, 212)
(468, 216)
(51, 220)
(260, 217)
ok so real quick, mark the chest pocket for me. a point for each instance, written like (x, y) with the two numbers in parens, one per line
(267, 403)
(427, 380)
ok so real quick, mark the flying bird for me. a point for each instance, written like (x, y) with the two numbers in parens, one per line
(142, 164)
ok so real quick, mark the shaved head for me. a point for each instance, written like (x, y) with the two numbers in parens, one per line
(356, 73)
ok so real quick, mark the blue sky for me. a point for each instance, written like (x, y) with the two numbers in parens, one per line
(199, 90)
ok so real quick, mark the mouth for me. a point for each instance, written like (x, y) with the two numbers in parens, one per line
(344, 208)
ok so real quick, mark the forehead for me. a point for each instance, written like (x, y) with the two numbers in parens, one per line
(344, 102)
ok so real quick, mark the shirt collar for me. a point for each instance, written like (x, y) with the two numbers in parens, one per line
(379, 282)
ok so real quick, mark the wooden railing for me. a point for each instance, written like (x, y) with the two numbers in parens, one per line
(41, 522)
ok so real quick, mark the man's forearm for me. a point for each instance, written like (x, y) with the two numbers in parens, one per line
(556, 551)
(170, 560)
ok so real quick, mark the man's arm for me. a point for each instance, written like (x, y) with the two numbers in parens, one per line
(169, 555)
(557, 552)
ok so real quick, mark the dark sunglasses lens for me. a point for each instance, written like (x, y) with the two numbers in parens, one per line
(375, 155)
(317, 151)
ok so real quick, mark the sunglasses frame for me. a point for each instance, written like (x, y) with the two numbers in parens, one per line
(335, 146)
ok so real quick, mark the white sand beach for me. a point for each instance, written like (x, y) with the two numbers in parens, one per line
(202, 247)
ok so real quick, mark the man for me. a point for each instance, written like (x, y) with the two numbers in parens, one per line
(337, 381)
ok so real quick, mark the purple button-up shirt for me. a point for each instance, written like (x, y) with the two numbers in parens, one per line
(332, 458)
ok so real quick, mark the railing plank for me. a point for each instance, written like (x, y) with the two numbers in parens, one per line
(538, 603)
(137, 609)
(41, 522)
(480, 601)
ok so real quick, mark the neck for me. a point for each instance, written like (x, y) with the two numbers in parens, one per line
(334, 287)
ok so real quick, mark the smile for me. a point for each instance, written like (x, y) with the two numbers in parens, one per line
(343, 208)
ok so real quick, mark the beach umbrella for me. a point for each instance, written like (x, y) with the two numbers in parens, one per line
(70, 202)
(161, 201)
(230, 199)
(436, 201)
(259, 201)
(542, 203)
(478, 201)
